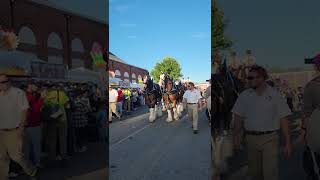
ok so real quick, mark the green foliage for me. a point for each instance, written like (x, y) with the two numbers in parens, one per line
(218, 39)
(168, 65)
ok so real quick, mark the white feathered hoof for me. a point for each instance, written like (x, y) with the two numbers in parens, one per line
(152, 116)
(175, 114)
(169, 119)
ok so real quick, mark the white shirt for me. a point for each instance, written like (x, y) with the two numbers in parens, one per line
(261, 113)
(113, 95)
(192, 96)
(12, 104)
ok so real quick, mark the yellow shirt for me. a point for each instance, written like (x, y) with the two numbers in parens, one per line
(52, 97)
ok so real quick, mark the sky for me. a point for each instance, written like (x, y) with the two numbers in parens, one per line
(143, 32)
(280, 33)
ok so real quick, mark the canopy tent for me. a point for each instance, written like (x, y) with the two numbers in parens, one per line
(83, 75)
(16, 63)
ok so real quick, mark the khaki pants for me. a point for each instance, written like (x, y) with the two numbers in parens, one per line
(193, 115)
(11, 147)
(263, 156)
(113, 109)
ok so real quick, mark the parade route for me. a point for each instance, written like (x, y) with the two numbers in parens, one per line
(289, 169)
(140, 150)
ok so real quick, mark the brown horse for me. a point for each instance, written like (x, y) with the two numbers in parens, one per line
(170, 96)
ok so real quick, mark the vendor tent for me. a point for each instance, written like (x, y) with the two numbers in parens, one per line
(83, 75)
(16, 62)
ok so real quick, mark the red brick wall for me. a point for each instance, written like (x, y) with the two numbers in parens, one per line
(114, 65)
(44, 20)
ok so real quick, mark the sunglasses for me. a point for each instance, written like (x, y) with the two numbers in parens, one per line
(3, 82)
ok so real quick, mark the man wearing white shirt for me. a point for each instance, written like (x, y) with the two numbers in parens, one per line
(263, 112)
(113, 96)
(193, 99)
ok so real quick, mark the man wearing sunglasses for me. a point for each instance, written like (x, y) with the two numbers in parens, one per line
(193, 99)
(263, 111)
(13, 112)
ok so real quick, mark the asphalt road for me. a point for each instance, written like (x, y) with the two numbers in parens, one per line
(140, 150)
(289, 168)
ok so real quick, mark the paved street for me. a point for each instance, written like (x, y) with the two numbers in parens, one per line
(289, 169)
(82, 166)
(140, 150)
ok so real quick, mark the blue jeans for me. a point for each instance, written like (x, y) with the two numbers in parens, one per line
(33, 144)
(119, 107)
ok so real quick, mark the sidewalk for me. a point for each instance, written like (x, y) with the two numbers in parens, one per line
(91, 164)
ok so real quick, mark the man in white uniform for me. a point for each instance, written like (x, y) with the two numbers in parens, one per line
(113, 97)
(263, 111)
(193, 99)
(234, 61)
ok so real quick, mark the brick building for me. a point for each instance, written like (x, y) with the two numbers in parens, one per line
(120, 69)
(52, 33)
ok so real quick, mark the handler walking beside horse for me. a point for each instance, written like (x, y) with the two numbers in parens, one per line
(263, 111)
(192, 98)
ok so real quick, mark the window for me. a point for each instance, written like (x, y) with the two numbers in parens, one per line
(78, 50)
(26, 36)
(133, 76)
(126, 75)
(54, 41)
(118, 73)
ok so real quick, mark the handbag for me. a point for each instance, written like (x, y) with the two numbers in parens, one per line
(57, 111)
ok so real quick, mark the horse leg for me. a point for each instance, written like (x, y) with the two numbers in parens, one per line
(158, 109)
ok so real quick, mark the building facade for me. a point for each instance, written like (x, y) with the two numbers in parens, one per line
(119, 69)
(294, 79)
(53, 34)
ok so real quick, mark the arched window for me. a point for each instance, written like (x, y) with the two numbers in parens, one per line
(126, 75)
(55, 43)
(77, 52)
(118, 73)
(133, 76)
(27, 36)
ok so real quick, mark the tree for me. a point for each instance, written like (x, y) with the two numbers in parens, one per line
(218, 39)
(168, 65)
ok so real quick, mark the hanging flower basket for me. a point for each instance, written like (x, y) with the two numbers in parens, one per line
(8, 39)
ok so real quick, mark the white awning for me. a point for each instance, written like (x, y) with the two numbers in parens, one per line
(82, 75)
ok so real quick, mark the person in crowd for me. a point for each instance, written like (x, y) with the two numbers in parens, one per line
(134, 99)
(33, 130)
(262, 111)
(310, 120)
(289, 96)
(234, 64)
(192, 98)
(120, 101)
(207, 96)
(57, 101)
(101, 118)
(113, 95)
(127, 100)
(80, 120)
(13, 111)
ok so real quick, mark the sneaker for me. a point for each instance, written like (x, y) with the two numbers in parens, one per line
(13, 175)
(195, 131)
